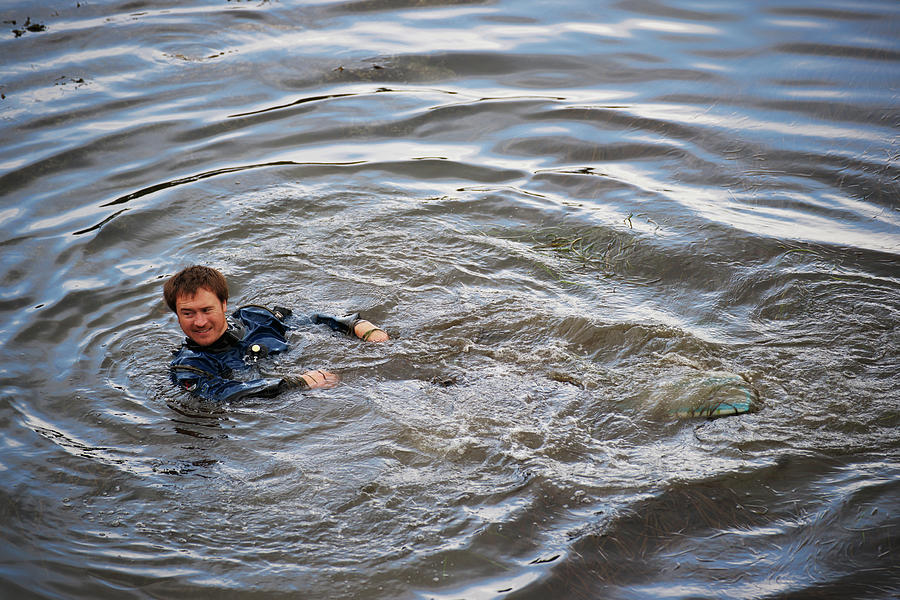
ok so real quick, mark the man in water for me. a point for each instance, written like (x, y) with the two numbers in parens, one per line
(218, 344)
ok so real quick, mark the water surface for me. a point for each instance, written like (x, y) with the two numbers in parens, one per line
(565, 215)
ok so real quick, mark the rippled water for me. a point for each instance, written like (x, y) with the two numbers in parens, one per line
(570, 216)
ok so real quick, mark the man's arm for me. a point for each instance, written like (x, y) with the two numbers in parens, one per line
(314, 380)
(368, 332)
(353, 325)
(219, 389)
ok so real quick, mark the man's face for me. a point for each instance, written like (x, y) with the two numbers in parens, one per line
(201, 316)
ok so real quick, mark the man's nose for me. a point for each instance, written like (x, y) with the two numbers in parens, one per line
(200, 319)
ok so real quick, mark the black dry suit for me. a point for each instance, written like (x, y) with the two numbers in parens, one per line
(253, 333)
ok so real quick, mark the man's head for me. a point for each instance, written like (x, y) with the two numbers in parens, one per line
(198, 296)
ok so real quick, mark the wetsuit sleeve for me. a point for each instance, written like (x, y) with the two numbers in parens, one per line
(281, 312)
(219, 389)
(342, 324)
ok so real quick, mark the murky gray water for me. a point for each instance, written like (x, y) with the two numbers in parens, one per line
(569, 216)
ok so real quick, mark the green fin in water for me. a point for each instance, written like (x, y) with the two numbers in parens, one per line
(709, 394)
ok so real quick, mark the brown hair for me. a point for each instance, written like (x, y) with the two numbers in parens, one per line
(187, 281)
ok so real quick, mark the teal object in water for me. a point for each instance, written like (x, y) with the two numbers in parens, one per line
(709, 394)
(722, 409)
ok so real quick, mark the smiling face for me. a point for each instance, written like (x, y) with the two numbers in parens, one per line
(201, 316)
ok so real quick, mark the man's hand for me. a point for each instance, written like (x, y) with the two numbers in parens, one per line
(320, 379)
(367, 332)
